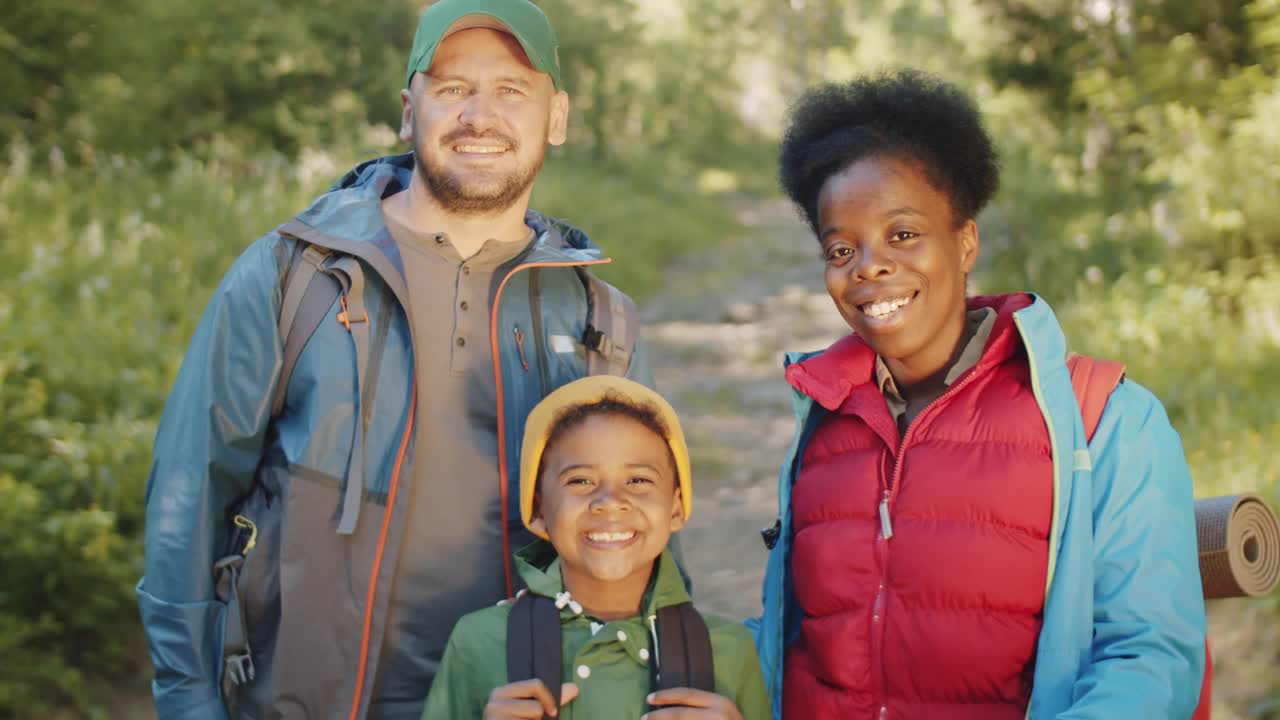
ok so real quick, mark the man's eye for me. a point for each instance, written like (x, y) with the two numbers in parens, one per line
(510, 91)
(451, 90)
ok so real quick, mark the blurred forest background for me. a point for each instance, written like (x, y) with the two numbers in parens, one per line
(145, 143)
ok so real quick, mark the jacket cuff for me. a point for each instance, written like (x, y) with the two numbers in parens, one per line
(185, 641)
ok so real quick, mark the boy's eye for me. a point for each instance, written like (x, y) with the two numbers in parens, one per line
(578, 480)
(640, 480)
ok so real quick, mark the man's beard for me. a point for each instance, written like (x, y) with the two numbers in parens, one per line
(455, 194)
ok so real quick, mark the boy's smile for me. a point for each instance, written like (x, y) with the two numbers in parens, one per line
(607, 499)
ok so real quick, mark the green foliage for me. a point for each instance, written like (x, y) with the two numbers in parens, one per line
(113, 268)
(141, 75)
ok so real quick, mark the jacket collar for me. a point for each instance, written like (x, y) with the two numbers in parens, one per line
(539, 567)
(351, 210)
(842, 377)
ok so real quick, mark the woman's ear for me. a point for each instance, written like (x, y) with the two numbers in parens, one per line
(968, 239)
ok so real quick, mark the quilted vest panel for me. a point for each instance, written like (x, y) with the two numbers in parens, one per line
(940, 620)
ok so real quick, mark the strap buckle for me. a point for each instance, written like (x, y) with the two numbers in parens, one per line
(239, 667)
(345, 318)
(771, 534)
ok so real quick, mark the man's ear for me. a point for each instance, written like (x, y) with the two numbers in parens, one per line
(406, 114)
(558, 127)
(677, 510)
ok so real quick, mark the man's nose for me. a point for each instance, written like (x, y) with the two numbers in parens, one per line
(478, 112)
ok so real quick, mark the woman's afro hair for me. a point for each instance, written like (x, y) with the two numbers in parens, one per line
(908, 114)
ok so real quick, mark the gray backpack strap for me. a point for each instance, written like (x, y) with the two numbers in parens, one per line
(308, 295)
(355, 318)
(612, 326)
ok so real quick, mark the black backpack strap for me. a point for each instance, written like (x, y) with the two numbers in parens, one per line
(682, 656)
(308, 295)
(533, 642)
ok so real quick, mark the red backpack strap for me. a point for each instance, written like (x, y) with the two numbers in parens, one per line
(1093, 380)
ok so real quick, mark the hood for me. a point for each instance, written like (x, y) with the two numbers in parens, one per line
(847, 368)
(539, 567)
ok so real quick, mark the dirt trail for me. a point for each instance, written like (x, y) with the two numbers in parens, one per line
(716, 342)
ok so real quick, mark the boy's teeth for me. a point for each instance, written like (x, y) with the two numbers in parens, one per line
(610, 536)
(880, 308)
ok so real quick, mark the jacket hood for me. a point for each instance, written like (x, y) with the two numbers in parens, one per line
(539, 567)
(847, 369)
(351, 210)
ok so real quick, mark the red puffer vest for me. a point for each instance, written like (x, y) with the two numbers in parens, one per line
(920, 561)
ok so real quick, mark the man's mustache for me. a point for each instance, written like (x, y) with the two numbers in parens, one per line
(462, 137)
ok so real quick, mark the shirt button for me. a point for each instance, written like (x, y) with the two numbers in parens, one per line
(584, 672)
(644, 654)
(464, 305)
(439, 239)
(466, 270)
(462, 342)
(622, 637)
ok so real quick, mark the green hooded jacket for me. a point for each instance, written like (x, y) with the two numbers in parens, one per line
(610, 666)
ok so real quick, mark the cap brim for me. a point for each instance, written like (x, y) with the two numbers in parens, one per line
(470, 22)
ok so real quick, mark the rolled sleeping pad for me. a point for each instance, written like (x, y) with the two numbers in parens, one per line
(1239, 539)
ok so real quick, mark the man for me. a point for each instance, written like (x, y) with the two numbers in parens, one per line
(328, 496)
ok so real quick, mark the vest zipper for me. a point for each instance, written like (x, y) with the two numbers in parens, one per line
(880, 608)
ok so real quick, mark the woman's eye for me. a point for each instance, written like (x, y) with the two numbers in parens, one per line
(838, 252)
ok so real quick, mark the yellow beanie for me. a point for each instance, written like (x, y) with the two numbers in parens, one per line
(588, 391)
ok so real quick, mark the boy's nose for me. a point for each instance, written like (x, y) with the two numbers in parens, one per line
(609, 501)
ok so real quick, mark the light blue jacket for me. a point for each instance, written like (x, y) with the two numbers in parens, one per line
(1124, 622)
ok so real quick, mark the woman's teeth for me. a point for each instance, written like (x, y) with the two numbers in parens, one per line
(882, 308)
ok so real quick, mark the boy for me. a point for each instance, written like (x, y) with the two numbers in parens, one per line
(604, 477)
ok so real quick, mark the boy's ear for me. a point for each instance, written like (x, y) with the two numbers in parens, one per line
(536, 523)
(677, 511)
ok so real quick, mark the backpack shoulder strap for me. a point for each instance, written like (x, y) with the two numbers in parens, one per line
(533, 642)
(1093, 380)
(682, 657)
(612, 326)
(308, 295)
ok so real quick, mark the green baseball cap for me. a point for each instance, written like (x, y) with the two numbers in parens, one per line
(520, 18)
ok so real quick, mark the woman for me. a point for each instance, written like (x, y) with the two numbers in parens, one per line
(949, 545)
